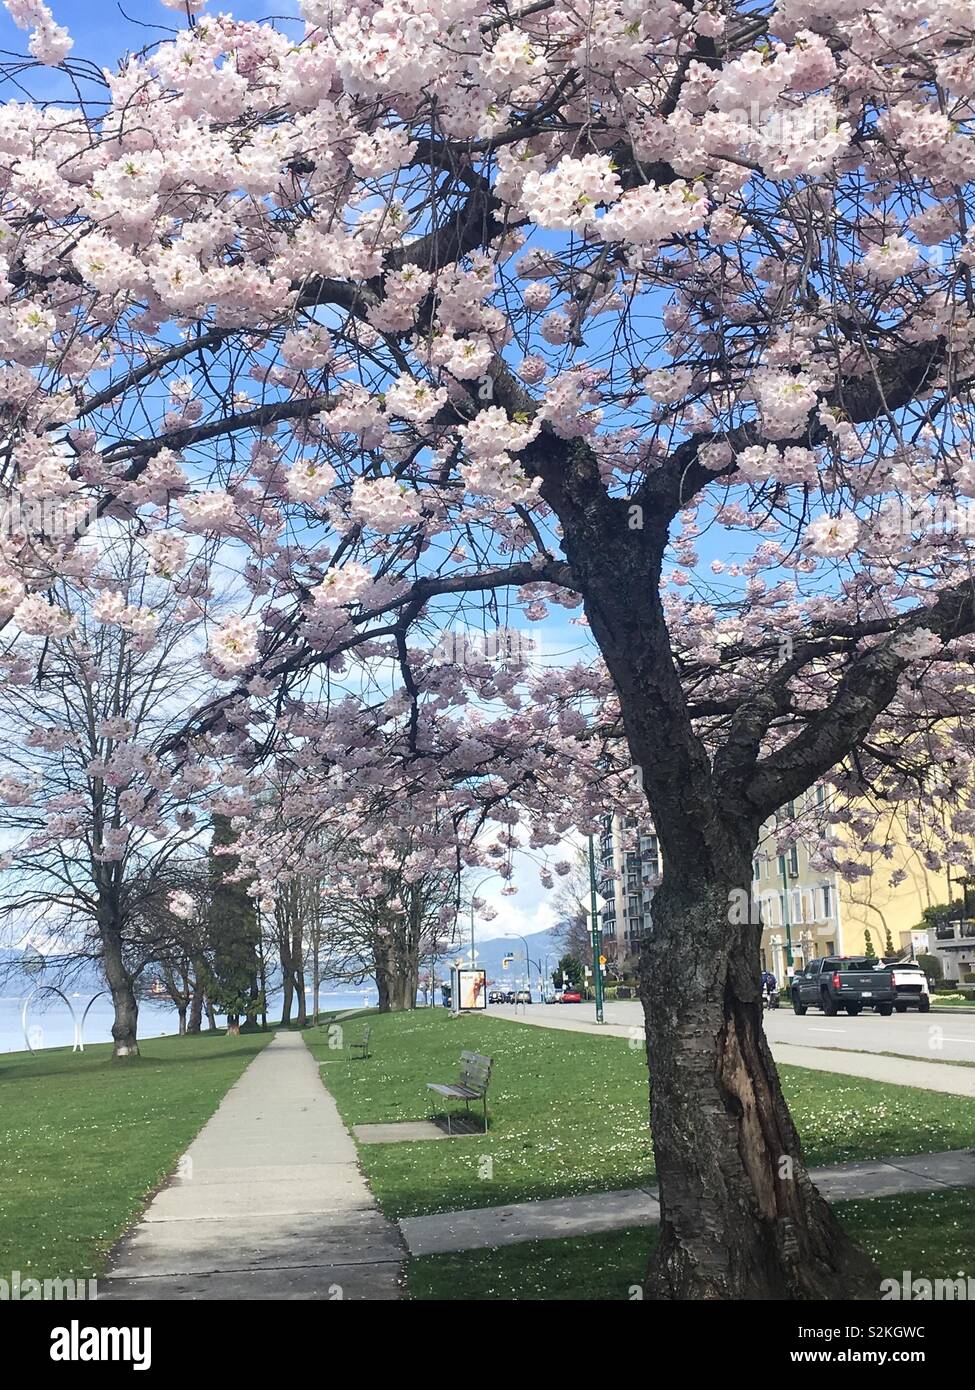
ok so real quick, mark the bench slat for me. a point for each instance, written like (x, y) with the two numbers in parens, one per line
(475, 1075)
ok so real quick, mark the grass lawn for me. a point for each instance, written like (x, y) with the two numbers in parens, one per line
(569, 1112)
(86, 1140)
(932, 1234)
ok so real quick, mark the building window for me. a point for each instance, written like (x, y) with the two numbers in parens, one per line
(827, 903)
(794, 861)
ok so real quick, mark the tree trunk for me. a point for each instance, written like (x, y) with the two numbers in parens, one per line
(211, 1017)
(125, 1025)
(298, 970)
(740, 1218)
(396, 981)
(233, 1025)
(383, 982)
(182, 1020)
(288, 990)
(196, 1007)
(315, 980)
(403, 989)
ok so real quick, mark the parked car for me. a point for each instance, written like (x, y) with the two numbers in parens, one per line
(509, 996)
(553, 996)
(571, 996)
(496, 996)
(852, 983)
(523, 997)
(911, 987)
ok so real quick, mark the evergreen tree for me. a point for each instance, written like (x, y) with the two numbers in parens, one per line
(569, 972)
(232, 929)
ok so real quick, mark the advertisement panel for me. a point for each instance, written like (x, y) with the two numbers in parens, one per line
(473, 989)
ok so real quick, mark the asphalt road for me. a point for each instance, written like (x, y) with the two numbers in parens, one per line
(939, 1037)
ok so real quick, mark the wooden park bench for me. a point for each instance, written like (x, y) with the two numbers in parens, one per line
(472, 1084)
(360, 1046)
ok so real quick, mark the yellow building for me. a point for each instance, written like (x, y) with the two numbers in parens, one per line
(818, 912)
(807, 909)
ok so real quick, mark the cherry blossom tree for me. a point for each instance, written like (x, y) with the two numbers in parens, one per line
(447, 310)
(98, 833)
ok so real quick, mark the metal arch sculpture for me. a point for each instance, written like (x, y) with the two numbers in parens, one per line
(81, 1027)
(36, 992)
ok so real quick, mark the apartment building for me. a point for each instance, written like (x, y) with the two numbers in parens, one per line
(807, 910)
(629, 870)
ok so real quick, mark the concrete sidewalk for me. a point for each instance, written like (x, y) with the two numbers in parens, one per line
(486, 1227)
(268, 1202)
(949, 1078)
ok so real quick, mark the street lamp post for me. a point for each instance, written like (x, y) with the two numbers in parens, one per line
(597, 941)
(528, 960)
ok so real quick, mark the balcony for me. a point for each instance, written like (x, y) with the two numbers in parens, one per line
(955, 931)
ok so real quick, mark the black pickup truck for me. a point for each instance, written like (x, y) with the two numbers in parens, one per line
(852, 983)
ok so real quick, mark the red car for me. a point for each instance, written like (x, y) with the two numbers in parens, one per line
(571, 996)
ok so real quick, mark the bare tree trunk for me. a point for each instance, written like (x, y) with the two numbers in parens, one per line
(233, 1025)
(315, 977)
(740, 1218)
(182, 1020)
(403, 988)
(196, 1005)
(383, 981)
(298, 966)
(396, 979)
(211, 1017)
(125, 1025)
(287, 973)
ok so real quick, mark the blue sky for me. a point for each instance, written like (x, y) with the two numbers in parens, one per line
(101, 31)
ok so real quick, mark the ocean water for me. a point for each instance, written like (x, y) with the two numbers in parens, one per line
(50, 1024)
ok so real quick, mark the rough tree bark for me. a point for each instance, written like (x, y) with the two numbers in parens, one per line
(126, 1022)
(397, 976)
(740, 1218)
(195, 1021)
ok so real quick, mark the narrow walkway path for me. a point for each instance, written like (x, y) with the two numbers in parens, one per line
(268, 1202)
(486, 1227)
(947, 1077)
